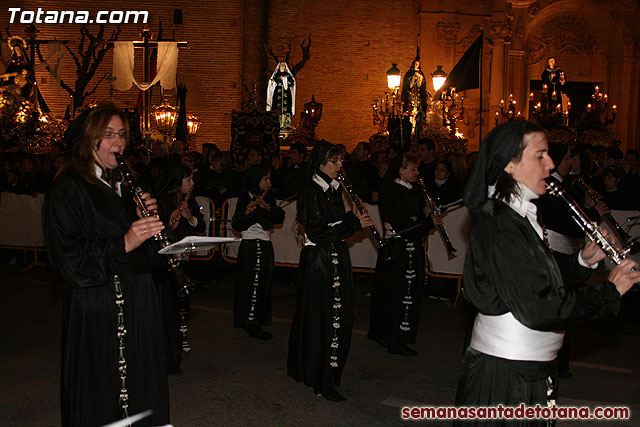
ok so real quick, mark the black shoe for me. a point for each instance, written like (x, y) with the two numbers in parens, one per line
(380, 341)
(332, 395)
(403, 350)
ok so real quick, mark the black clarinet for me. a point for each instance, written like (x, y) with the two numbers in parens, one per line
(184, 284)
(626, 238)
(435, 210)
(356, 201)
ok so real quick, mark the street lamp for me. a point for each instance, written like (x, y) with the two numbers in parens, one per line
(438, 77)
(165, 115)
(393, 76)
(193, 123)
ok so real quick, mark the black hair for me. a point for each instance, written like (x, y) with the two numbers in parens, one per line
(299, 147)
(431, 145)
(506, 186)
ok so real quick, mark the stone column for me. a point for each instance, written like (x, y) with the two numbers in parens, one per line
(499, 32)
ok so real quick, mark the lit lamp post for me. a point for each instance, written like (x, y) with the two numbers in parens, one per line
(439, 76)
(166, 116)
(193, 124)
(393, 77)
(312, 115)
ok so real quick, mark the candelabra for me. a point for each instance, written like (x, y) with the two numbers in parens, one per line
(452, 110)
(598, 109)
(388, 106)
(544, 115)
(508, 113)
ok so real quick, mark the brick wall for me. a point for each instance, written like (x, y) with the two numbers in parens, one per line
(210, 69)
(353, 44)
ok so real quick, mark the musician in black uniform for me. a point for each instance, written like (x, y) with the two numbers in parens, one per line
(180, 211)
(321, 330)
(512, 279)
(97, 245)
(255, 216)
(400, 268)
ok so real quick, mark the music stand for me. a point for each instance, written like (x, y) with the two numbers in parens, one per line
(195, 243)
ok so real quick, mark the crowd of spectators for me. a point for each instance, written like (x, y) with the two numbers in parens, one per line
(613, 175)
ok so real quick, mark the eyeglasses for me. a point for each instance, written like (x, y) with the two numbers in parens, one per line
(109, 134)
(336, 161)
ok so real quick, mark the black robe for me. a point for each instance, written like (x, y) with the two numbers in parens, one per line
(252, 294)
(321, 331)
(174, 308)
(509, 269)
(84, 225)
(397, 288)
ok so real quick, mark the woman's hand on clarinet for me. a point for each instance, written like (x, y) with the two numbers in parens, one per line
(592, 254)
(149, 203)
(625, 275)
(140, 230)
(356, 211)
(438, 219)
(365, 220)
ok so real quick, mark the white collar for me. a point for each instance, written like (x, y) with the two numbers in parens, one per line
(522, 203)
(439, 182)
(323, 184)
(403, 183)
(98, 171)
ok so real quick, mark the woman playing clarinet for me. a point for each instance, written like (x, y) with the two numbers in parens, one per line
(180, 211)
(112, 341)
(512, 279)
(397, 288)
(321, 330)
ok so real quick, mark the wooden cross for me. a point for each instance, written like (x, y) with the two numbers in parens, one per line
(146, 44)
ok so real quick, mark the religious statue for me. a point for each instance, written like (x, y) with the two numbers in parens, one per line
(281, 94)
(553, 80)
(414, 99)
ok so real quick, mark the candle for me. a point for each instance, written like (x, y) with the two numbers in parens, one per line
(519, 115)
(597, 89)
(501, 104)
(558, 107)
(614, 109)
(531, 96)
(510, 97)
(554, 96)
(544, 87)
(568, 105)
(588, 108)
(606, 98)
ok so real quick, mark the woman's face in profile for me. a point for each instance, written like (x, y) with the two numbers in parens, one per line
(332, 167)
(187, 184)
